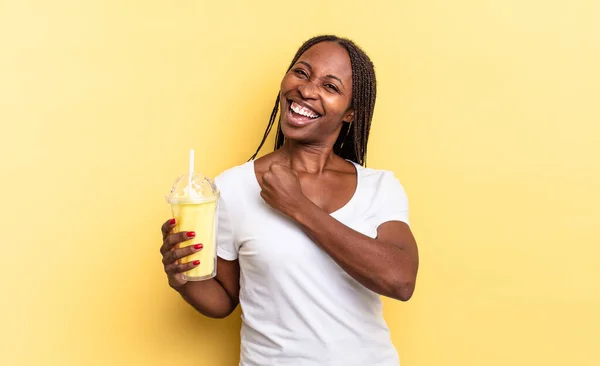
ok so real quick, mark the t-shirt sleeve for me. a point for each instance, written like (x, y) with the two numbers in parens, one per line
(393, 203)
(226, 245)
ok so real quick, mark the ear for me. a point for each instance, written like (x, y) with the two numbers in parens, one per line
(349, 116)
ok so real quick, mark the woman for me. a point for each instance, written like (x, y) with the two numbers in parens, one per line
(308, 237)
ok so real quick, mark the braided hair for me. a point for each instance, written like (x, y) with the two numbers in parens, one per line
(351, 143)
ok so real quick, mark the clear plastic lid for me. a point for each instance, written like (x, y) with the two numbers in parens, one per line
(198, 189)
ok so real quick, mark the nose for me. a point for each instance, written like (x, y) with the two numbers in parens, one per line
(308, 90)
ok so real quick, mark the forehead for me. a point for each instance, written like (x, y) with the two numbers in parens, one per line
(329, 58)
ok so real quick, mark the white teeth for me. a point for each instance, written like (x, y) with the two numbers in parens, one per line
(303, 110)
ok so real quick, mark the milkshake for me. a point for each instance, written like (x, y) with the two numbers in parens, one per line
(193, 200)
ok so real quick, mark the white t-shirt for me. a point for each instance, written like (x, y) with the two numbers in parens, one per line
(299, 307)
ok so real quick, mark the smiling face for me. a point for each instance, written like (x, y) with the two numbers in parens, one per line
(316, 94)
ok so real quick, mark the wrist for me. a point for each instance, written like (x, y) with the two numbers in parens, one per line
(178, 286)
(303, 210)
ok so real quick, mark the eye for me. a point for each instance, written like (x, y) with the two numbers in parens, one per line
(332, 87)
(301, 73)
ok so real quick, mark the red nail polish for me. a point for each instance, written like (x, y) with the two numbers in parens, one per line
(190, 234)
(172, 222)
(198, 246)
(195, 263)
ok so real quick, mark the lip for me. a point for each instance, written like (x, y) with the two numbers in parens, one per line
(299, 122)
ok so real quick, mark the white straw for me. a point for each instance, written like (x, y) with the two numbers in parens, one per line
(191, 171)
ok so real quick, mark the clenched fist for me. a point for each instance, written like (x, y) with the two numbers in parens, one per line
(281, 189)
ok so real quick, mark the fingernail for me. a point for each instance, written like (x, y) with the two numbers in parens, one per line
(190, 234)
(195, 263)
(172, 222)
(198, 246)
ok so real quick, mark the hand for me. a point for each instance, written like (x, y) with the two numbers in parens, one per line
(281, 189)
(170, 254)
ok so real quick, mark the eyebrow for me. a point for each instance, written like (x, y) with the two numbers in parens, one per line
(327, 76)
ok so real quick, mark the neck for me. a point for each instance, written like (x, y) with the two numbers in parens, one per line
(312, 159)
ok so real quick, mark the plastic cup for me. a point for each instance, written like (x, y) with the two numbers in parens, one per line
(194, 203)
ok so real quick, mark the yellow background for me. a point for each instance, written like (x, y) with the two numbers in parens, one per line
(488, 111)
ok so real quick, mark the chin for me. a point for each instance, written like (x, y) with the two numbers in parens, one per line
(299, 134)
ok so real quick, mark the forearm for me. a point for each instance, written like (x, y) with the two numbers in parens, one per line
(208, 297)
(381, 267)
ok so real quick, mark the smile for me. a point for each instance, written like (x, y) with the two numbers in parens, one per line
(303, 111)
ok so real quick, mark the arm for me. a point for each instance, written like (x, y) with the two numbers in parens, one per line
(386, 265)
(217, 297)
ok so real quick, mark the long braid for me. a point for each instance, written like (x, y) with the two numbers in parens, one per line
(269, 127)
(352, 141)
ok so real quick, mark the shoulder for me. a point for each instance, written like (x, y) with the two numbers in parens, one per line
(235, 176)
(377, 178)
(386, 196)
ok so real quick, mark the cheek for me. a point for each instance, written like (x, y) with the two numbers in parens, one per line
(286, 84)
(337, 104)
